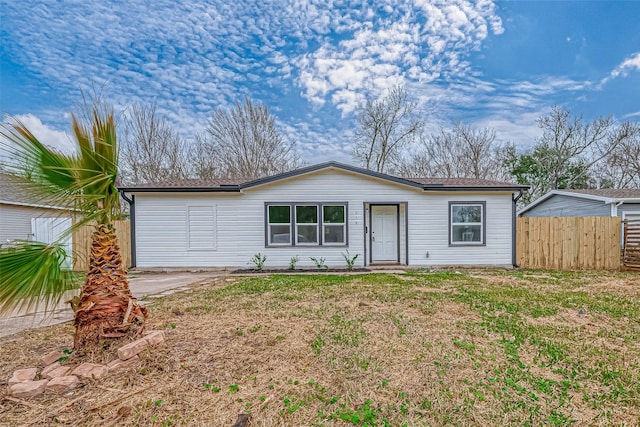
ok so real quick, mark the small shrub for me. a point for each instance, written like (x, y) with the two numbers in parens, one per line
(258, 260)
(319, 262)
(293, 261)
(350, 260)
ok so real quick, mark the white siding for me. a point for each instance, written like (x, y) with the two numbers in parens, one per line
(15, 221)
(201, 220)
(162, 223)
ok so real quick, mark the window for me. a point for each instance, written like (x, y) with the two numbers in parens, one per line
(306, 224)
(333, 225)
(279, 220)
(466, 223)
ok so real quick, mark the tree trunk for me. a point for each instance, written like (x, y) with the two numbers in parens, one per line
(106, 309)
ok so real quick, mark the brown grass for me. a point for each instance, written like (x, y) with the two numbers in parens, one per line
(416, 350)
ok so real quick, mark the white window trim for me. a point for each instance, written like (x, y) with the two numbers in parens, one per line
(269, 224)
(482, 225)
(342, 224)
(298, 224)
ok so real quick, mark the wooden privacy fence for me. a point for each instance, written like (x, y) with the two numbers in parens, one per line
(82, 245)
(569, 243)
(631, 239)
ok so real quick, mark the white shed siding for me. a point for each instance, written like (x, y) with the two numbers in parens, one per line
(161, 223)
(15, 221)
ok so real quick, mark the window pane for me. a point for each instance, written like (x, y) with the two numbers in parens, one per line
(334, 234)
(279, 214)
(307, 234)
(280, 234)
(466, 233)
(333, 214)
(306, 214)
(462, 213)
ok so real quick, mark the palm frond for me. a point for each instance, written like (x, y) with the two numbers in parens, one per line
(83, 181)
(31, 273)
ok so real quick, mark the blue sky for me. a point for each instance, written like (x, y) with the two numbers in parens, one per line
(496, 64)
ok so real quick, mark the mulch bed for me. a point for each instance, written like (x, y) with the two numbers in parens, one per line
(298, 270)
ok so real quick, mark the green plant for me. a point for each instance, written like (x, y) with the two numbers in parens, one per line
(258, 260)
(293, 261)
(350, 260)
(84, 181)
(319, 262)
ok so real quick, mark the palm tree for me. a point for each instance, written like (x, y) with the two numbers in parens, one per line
(85, 183)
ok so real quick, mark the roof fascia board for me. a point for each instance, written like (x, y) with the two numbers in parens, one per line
(474, 188)
(585, 196)
(229, 189)
(562, 193)
(34, 205)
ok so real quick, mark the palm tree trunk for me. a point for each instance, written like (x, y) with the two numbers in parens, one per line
(106, 308)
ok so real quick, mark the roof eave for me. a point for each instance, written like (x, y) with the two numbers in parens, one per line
(329, 165)
(476, 188)
(234, 189)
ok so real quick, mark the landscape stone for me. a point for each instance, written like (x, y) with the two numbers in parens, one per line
(90, 371)
(50, 368)
(127, 351)
(28, 389)
(58, 372)
(23, 375)
(63, 384)
(155, 337)
(50, 358)
(121, 364)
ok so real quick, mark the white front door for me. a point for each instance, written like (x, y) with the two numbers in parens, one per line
(384, 233)
(50, 230)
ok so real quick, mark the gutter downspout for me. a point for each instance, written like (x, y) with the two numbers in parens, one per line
(614, 208)
(132, 225)
(515, 199)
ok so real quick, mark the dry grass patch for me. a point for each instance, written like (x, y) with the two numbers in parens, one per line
(478, 348)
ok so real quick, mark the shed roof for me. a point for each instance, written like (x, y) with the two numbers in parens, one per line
(15, 191)
(604, 195)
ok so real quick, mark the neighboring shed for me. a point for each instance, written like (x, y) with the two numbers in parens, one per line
(21, 219)
(322, 211)
(624, 203)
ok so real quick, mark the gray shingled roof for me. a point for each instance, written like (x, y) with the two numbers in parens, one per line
(237, 184)
(13, 190)
(612, 193)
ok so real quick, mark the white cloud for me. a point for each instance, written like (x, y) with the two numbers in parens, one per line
(49, 136)
(630, 64)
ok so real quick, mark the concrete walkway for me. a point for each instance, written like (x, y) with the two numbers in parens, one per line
(142, 285)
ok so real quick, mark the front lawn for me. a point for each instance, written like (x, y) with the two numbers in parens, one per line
(481, 348)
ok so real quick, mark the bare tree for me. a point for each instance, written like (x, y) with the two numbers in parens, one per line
(573, 153)
(385, 127)
(462, 152)
(566, 140)
(246, 144)
(151, 150)
(203, 162)
(621, 168)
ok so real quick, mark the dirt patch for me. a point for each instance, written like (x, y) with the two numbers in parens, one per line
(628, 287)
(569, 318)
